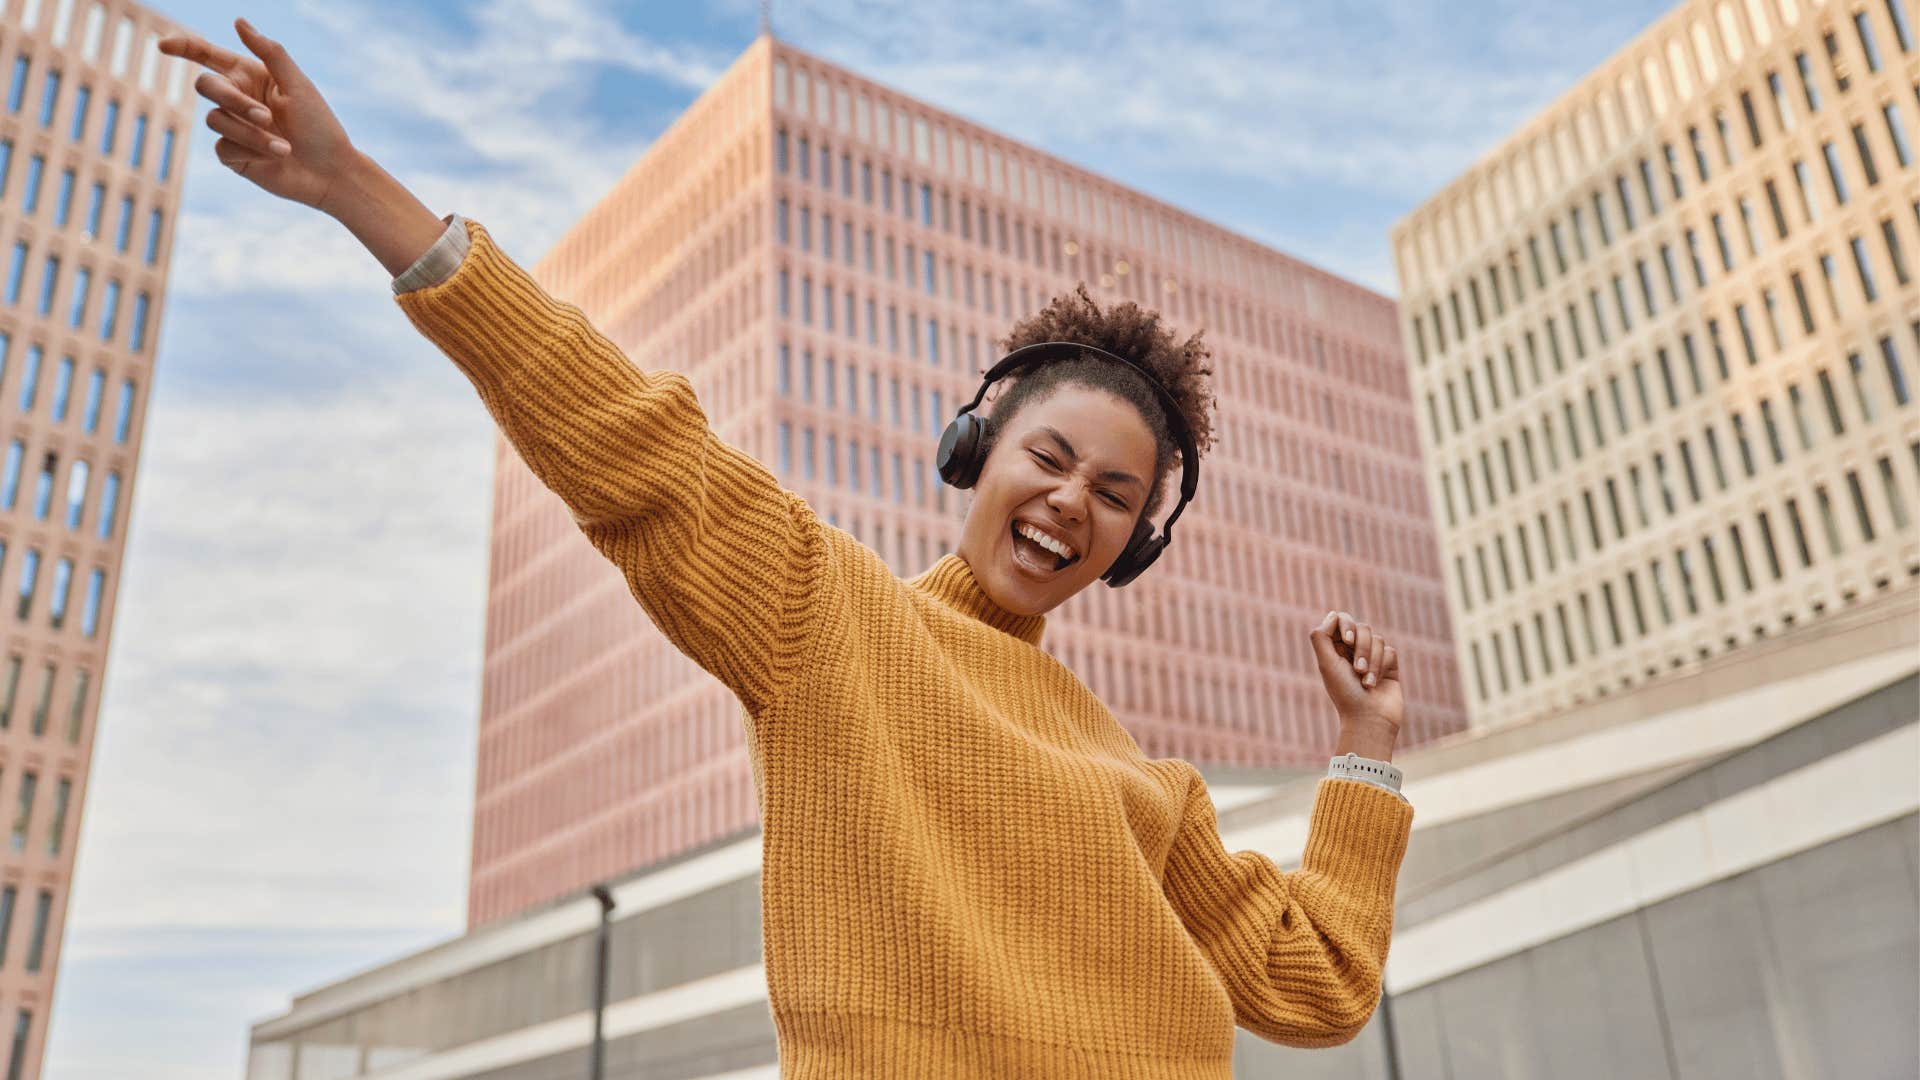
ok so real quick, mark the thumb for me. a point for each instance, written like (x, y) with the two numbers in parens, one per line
(1335, 670)
(271, 53)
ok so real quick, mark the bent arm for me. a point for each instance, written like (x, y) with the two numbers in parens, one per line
(725, 561)
(1300, 952)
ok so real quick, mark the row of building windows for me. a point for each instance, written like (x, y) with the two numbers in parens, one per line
(1047, 251)
(37, 939)
(1682, 570)
(907, 406)
(1867, 384)
(77, 124)
(1550, 161)
(1890, 484)
(58, 594)
(77, 305)
(76, 489)
(60, 398)
(922, 471)
(1329, 412)
(43, 700)
(23, 818)
(93, 36)
(63, 203)
(1870, 291)
(1040, 189)
(1809, 206)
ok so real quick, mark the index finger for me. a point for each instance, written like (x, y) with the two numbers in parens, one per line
(201, 51)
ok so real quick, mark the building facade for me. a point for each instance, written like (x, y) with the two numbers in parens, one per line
(1711, 875)
(93, 140)
(830, 263)
(1664, 340)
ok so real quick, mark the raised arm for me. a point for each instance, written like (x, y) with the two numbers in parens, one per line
(1301, 953)
(725, 561)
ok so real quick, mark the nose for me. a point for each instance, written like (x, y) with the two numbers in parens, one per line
(1068, 499)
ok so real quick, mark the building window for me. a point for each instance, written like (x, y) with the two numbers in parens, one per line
(94, 203)
(36, 945)
(56, 615)
(1895, 375)
(58, 826)
(90, 615)
(36, 169)
(76, 492)
(76, 714)
(17, 91)
(1868, 46)
(139, 141)
(153, 236)
(8, 895)
(23, 1025)
(49, 283)
(166, 154)
(22, 818)
(108, 125)
(10, 483)
(137, 336)
(96, 383)
(63, 206)
(109, 502)
(49, 98)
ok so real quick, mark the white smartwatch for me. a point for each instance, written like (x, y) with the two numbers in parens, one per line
(1351, 766)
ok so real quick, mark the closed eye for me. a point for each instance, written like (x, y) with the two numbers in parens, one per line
(1112, 499)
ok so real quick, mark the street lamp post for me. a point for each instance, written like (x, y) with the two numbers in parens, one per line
(597, 1068)
(1386, 1030)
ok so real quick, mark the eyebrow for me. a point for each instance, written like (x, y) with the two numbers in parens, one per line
(1111, 474)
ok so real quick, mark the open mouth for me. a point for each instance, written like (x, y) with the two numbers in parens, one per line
(1034, 556)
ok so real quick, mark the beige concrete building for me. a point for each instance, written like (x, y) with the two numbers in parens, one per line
(1664, 345)
(93, 135)
(830, 261)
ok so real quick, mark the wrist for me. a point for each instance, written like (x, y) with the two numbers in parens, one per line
(1369, 737)
(348, 187)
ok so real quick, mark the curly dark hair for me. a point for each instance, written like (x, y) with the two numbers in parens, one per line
(1126, 330)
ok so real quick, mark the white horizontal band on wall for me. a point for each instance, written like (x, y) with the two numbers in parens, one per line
(1860, 787)
(701, 997)
(1664, 739)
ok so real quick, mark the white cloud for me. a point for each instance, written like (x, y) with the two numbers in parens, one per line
(294, 675)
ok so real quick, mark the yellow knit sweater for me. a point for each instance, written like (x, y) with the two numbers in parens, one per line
(969, 869)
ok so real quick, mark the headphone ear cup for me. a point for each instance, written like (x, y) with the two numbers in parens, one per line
(1140, 552)
(963, 447)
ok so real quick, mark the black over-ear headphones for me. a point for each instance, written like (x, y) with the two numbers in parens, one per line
(964, 444)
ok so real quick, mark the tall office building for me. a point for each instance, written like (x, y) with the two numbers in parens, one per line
(830, 262)
(92, 154)
(1664, 341)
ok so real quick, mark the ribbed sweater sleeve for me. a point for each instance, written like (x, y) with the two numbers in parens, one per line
(724, 560)
(1300, 952)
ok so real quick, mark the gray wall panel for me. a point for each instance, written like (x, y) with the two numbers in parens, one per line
(1842, 919)
(1494, 1029)
(1592, 999)
(1718, 981)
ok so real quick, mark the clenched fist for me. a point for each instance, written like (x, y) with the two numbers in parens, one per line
(1360, 671)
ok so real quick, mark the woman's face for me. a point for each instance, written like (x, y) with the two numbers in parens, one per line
(1075, 465)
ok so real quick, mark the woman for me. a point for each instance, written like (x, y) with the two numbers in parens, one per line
(969, 868)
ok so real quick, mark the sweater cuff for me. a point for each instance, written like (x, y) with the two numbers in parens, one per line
(438, 262)
(1358, 832)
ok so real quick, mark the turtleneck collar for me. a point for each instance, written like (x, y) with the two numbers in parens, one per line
(951, 581)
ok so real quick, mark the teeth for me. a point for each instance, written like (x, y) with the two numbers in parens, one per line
(1045, 541)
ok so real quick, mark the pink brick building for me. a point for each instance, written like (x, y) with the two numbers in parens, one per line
(830, 262)
(94, 129)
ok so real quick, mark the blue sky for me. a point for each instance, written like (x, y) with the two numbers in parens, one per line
(284, 771)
